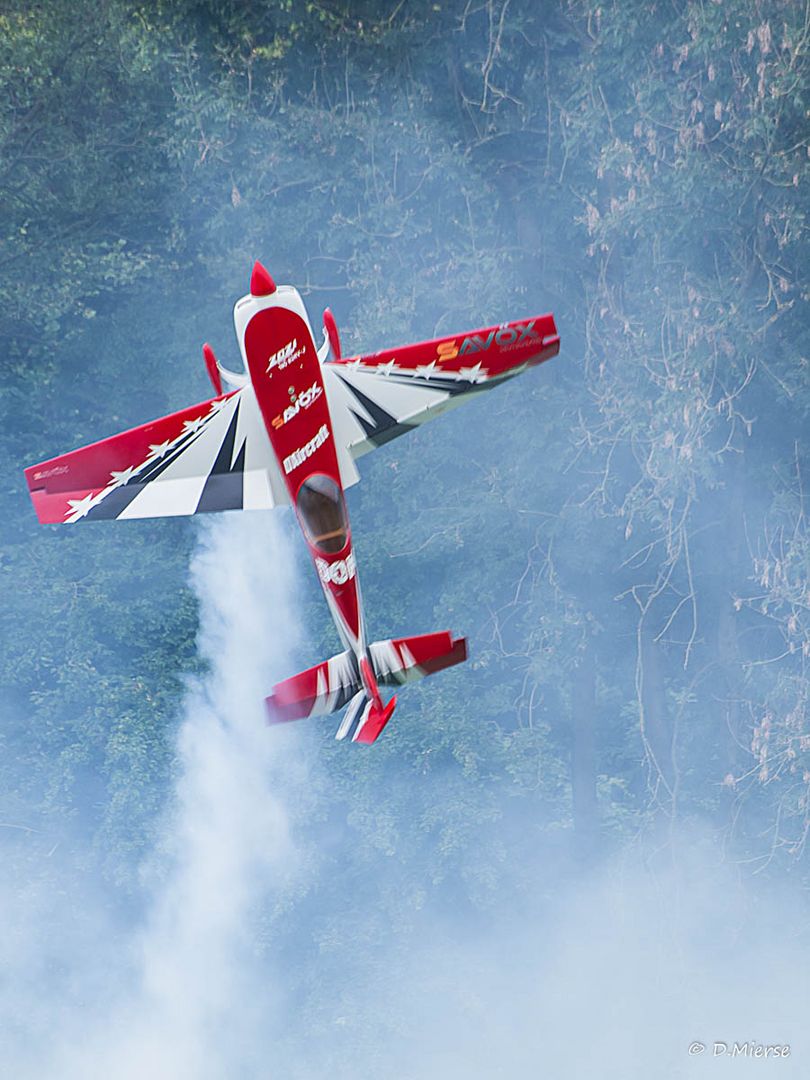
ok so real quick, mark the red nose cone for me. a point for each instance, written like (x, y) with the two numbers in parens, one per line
(261, 284)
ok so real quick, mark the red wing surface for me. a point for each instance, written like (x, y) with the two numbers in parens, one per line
(211, 456)
(376, 398)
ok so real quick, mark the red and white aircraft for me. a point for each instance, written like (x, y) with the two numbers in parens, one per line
(290, 432)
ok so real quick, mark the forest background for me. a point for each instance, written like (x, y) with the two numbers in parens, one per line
(621, 535)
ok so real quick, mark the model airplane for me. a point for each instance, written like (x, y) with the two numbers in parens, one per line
(289, 433)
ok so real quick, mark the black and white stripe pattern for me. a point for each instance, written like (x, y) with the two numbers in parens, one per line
(220, 461)
(371, 405)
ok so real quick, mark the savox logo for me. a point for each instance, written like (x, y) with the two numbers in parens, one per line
(506, 337)
(338, 572)
(302, 401)
(285, 356)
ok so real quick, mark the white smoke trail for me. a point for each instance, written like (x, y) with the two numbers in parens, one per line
(198, 994)
(615, 978)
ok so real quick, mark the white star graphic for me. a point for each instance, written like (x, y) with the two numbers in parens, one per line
(471, 374)
(426, 370)
(355, 364)
(158, 450)
(387, 368)
(217, 404)
(190, 426)
(118, 479)
(79, 507)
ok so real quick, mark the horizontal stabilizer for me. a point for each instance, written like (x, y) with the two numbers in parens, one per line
(317, 691)
(404, 660)
(331, 685)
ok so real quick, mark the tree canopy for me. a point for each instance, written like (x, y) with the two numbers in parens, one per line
(621, 535)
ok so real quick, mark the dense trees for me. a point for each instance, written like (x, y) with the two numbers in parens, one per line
(622, 534)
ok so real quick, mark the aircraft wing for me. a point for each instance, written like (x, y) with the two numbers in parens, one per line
(210, 456)
(373, 399)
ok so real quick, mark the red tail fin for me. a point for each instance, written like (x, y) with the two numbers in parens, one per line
(334, 683)
(373, 721)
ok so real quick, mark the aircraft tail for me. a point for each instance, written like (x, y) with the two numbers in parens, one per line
(337, 682)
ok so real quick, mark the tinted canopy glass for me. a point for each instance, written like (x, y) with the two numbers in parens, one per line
(322, 512)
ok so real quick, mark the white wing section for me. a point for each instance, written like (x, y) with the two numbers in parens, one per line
(376, 398)
(221, 460)
(369, 407)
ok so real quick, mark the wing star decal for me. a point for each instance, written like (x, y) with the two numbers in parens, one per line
(384, 425)
(472, 374)
(127, 484)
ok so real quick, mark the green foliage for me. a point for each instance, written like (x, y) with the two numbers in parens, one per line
(621, 534)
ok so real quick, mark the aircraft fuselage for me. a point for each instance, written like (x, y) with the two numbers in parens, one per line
(286, 375)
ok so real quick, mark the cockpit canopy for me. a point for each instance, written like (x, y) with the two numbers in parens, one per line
(322, 513)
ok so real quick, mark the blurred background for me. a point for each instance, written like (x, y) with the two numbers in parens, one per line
(586, 847)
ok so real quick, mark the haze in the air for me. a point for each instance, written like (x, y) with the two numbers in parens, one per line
(583, 851)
